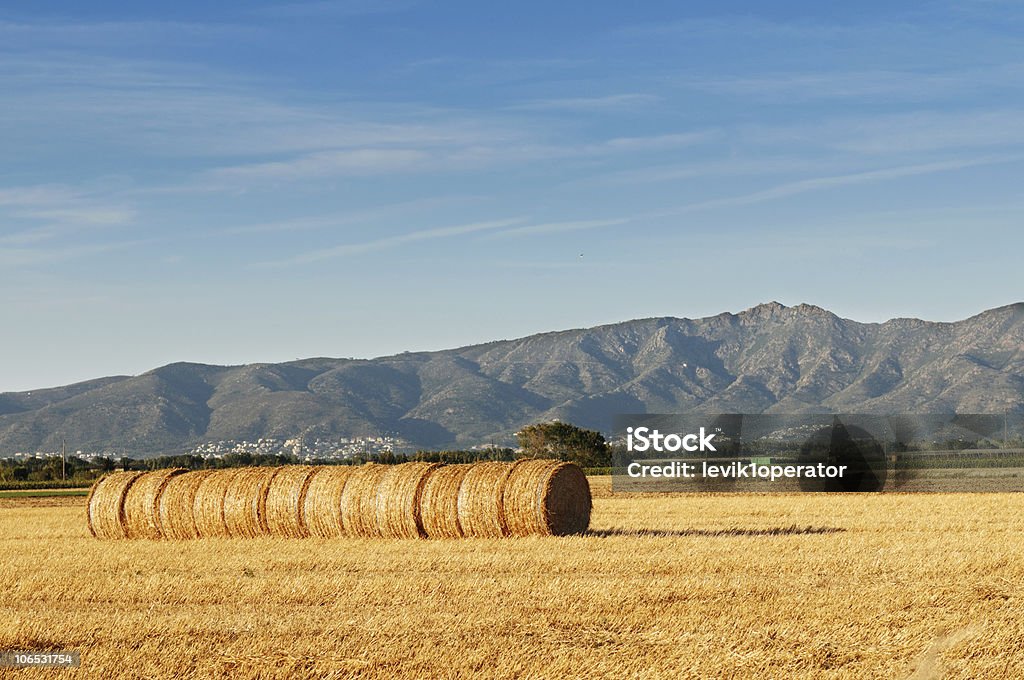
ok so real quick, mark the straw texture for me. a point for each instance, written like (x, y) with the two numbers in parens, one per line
(411, 500)
(208, 506)
(245, 502)
(286, 497)
(321, 508)
(398, 500)
(481, 500)
(141, 503)
(359, 501)
(439, 501)
(176, 503)
(547, 497)
(105, 507)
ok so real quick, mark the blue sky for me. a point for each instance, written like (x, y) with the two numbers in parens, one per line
(239, 182)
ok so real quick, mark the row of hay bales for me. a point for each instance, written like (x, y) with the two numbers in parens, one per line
(410, 500)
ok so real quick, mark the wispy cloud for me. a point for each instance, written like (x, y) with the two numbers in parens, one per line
(557, 227)
(102, 35)
(395, 241)
(23, 257)
(325, 9)
(180, 110)
(514, 153)
(893, 84)
(821, 183)
(431, 158)
(932, 130)
(329, 163)
(82, 215)
(57, 207)
(368, 215)
(739, 29)
(661, 142)
(611, 102)
(773, 193)
(770, 165)
(905, 135)
(37, 195)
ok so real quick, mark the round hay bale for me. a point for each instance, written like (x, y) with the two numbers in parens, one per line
(481, 512)
(176, 505)
(359, 501)
(286, 496)
(245, 502)
(321, 508)
(547, 497)
(398, 500)
(208, 505)
(439, 501)
(105, 507)
(141, 504)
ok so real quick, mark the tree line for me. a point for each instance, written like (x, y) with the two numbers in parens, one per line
(543, 440)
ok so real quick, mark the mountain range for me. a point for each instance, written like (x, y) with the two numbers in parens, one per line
(770, 358)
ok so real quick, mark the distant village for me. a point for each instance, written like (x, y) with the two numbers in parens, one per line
(303, 448)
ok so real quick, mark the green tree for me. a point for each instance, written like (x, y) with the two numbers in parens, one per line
(565, 441)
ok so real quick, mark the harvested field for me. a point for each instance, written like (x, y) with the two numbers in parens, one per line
(743, 586)
(27, 500)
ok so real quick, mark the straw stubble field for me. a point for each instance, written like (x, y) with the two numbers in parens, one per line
(664, 586)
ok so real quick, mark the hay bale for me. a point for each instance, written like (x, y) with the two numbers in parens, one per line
(245, 502)
(398, 500)
(439, 501)
(286, 496)
(208, 505)
(105, 506)
(141, 504)
(176, 505)
(321, 508)
(481, 509)
(547, 497)
(412, 500)
(359, 501)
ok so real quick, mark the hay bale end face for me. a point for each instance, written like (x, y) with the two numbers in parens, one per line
(141, 503)
(177, 503)
(439, 501)
(398, 500)
(321, 507)
(286, 497)
(567, 501)
(359, 501)
(105, 506)
(547, 497)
